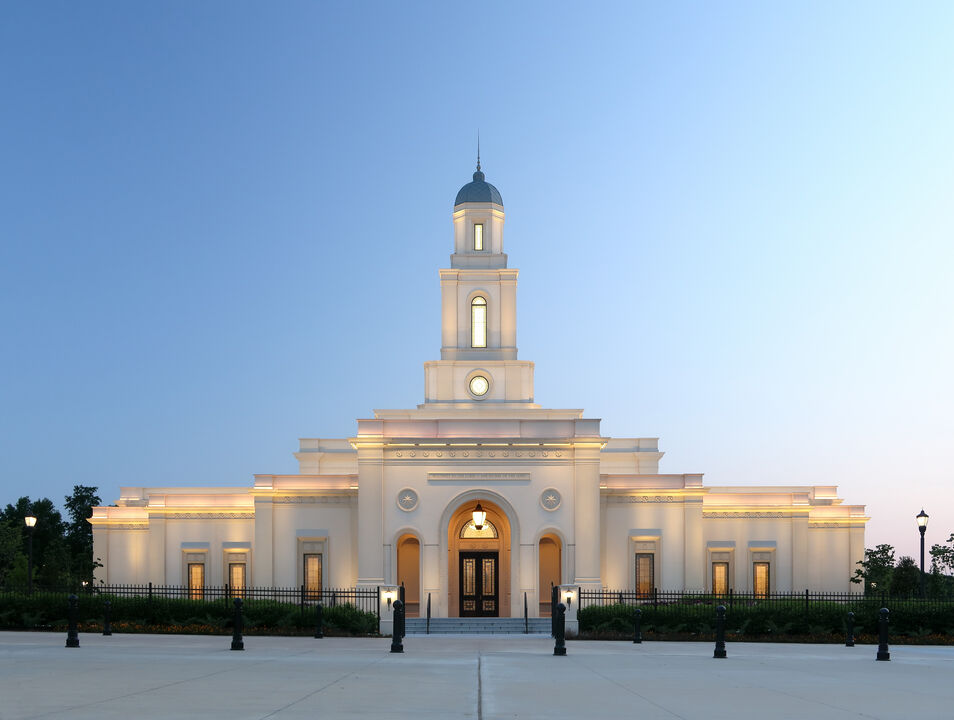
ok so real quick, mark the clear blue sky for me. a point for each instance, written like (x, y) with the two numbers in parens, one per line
(221, 224)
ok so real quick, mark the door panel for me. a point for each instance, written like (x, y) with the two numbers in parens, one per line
(479, 593)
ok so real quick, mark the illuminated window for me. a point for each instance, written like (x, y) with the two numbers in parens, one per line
(312, 574)
(760, 579)
(470, 531)
(644, 573)
(478, 322)
(196, 574)
(720, 578)
(478, 237)
(237, 578)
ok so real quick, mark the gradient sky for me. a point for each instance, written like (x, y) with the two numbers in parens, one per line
(221, 224)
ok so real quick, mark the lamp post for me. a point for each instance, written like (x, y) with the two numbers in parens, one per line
(30, 521)
(922, 518)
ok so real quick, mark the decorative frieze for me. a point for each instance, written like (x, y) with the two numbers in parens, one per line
(312, 499)
(469, 454)
(479, 477)
(642, 498)
(748, 514)
(238, 515)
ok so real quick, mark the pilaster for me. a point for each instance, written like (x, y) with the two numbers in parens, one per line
(371, 550)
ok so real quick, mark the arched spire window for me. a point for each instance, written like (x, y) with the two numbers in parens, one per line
(478, 322)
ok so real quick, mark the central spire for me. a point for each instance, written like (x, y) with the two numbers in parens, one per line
(478, 150)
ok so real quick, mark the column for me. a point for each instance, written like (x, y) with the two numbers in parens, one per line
(586, 522)
(370, 515)
(263, 549)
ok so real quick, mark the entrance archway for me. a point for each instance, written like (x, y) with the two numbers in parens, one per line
(409, 572)
(479, 562)
(550, 557)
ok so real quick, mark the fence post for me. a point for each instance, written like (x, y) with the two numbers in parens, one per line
(302, 599)
(526, 616)
(397, 631)
(720, 633)
(107, 628)
(72, 637)
(883, 653)
(559, 646)
(152, 616)
(637, 630)
(319, 633)
(237, 643)
(850, 635)
(655, 598)
(376, 605)
(427, 628)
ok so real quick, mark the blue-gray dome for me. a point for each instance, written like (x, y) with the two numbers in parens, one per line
(478, 191)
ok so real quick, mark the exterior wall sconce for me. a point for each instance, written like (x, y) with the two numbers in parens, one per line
(480, 516)
(389, 596)
(568, 598)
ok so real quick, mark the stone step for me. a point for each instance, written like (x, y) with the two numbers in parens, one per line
(472, 626)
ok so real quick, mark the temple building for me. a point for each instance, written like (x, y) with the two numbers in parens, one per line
(479, 495)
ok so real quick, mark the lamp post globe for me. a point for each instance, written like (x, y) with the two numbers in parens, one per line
(30, 521)
(922, 518)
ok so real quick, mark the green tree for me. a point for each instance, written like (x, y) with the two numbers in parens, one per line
(10, 550)
(877, 570)
(906, 578)
(79, 533)
(942, 556)
(50, 554)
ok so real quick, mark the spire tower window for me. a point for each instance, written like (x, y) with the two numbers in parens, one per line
(478, 236)
(478, 322)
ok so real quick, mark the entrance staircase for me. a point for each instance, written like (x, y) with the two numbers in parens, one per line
(477, 626)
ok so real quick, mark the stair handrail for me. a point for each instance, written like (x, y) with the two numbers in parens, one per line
(427, 630)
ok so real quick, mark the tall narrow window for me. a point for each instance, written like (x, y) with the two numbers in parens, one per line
(720, 578)
(644, 573)
(760, 579)
(237, 579)
(196, 573)
(478, 322)
(312, 573)
(478, 237)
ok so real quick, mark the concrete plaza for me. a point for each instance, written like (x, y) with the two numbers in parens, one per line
(175, 676)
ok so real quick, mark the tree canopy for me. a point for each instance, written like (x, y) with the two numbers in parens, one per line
(62, 550)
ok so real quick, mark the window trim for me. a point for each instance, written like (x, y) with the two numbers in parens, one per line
(481, 238)
(651, 557)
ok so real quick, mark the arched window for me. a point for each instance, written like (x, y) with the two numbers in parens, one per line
(470, 531)
(478, 322)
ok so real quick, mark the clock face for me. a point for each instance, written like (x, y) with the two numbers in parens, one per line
(479, 385)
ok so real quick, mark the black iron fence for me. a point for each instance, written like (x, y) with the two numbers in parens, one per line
(365, 599)
(682, 598)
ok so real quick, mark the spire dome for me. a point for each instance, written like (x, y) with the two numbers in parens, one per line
(478, 191)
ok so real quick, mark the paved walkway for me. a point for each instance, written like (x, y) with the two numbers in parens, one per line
(170, 676)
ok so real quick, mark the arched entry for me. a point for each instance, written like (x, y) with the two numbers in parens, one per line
(550, 558)
(409, 572)
(479, 561)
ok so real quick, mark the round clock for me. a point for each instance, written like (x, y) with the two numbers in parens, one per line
(479, 385)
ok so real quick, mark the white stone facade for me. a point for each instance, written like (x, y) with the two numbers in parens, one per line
(568, 505)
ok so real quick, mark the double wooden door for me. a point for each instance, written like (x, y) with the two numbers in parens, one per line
(479, 586)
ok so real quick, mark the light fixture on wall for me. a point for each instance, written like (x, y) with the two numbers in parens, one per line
(480, 516)
(568, 597)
